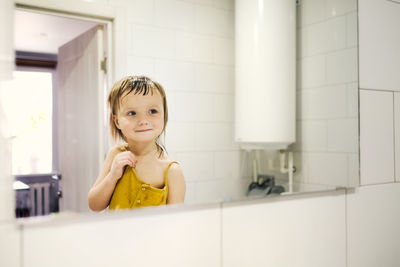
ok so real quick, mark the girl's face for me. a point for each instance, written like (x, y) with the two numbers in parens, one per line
(141, 117)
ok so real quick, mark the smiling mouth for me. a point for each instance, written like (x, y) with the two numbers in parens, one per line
(141, 131)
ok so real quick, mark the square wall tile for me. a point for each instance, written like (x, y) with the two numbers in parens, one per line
(214, 78)
(343, 135)
(193, 165)
(174, 14)
(214, 136)
(223, 108)
(311, 230)
(152, 42)
(175, 75)
(143, 10)
(311, 11)
(141, 66)
(376, 137)
(313, 135)
(194, 47)
(214, 21)
(373, 226)
(211, 191)
(224, 53)
(342, 66)
(195, 107)
(339, 7)
(328, 168)
(227, 164)
(179, 136)
(323, 103)
(311, 71)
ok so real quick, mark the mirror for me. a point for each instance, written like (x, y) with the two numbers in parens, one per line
(192, 56)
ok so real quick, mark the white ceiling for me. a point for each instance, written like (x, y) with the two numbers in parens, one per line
(41, 33)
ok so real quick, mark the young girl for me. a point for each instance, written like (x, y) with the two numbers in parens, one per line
(138, 173)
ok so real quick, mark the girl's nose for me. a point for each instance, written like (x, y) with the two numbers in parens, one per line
(143, 121)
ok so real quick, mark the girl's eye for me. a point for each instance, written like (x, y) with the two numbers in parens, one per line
(153, 111)
(131, 113)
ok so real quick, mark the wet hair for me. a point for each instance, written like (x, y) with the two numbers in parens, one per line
(137, 85)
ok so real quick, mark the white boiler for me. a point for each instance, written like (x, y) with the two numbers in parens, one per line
(265, 73)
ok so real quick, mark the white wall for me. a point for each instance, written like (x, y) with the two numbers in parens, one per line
(355, 229)
(327, 93)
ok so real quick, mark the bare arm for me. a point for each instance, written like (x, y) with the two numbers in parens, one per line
(176, 185)
(100, 194)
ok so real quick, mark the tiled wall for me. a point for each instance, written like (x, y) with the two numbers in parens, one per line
(188, 47)
(379, 92)
(327, 93)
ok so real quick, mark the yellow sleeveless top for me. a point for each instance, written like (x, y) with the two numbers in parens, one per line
(131, 192)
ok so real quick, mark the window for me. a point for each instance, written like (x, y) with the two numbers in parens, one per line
(27, 102)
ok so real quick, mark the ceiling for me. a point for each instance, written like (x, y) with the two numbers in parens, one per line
(41, 33)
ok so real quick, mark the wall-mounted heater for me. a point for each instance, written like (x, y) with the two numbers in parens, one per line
(265, 73)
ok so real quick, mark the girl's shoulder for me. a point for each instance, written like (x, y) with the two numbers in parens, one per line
(116, 149)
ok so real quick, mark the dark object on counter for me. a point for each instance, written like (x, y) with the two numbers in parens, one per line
(41, 197)
(266, 184)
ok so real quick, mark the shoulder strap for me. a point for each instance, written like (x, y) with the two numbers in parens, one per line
(166, 171)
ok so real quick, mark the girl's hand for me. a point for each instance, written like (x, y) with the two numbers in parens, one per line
(120, 161)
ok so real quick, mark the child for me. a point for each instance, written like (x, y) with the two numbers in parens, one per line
(138, 173)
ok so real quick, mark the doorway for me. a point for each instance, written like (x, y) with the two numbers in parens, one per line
(58, 152)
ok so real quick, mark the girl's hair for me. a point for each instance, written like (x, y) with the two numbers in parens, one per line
(136, 85)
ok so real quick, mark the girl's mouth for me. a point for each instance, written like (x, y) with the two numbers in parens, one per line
(144, 130)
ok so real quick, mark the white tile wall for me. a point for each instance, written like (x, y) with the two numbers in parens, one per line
(285, 233)
(10, 244)
(328, 168)
(189, 238)
(197, 166)
(342, 66)
(343, 135)
(152, 42)
(214, 137)
(174, 14)
(327, 97)
(214, 78)
(376, 137)
(397, 134)
(324, 102)
(373, 226)
(175, 75)
(351, 29)
(312, 11)
(313, 135)
(352, 100)
(312, 72)
(339, 7)
(379, 41)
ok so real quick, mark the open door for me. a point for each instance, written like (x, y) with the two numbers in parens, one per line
(80, 116)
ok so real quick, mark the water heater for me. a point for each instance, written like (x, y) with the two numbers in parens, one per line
(265, 73)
